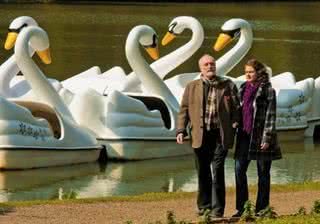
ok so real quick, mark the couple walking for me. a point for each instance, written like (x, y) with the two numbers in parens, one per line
(213, 110)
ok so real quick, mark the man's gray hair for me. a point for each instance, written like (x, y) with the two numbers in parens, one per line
(204, 56)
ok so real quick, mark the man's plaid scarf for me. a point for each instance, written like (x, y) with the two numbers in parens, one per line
(210, 116)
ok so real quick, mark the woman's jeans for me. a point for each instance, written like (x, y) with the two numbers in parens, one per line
(241, 167)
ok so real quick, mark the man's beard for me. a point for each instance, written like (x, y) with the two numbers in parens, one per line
(211, 74)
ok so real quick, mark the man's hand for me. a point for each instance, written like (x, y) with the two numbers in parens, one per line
(180, 138)
(264, 146)
(235, 124)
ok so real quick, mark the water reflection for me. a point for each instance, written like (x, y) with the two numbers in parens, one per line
(285, 34)
(300, 163)
(286, 37)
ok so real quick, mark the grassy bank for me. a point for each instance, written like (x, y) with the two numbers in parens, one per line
(180, 204)
(309, 219)
(166, 196)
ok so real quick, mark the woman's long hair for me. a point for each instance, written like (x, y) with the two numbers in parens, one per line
(260, 69)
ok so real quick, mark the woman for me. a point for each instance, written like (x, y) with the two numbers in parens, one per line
(257, 137)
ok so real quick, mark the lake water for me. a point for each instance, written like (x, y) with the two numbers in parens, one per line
(285, 37)
(300, 164)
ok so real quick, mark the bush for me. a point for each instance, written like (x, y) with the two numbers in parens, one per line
(248, 214)
(268, 212)
(316, 207)
(301, 211)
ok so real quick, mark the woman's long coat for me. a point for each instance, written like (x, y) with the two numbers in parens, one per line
(264, 125)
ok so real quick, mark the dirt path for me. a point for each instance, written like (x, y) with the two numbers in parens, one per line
(142, 212)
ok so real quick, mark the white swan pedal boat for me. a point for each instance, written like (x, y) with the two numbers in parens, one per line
(133, 125)
(297, 102)
(44, 133)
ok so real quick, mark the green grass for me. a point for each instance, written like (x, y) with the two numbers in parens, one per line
(296, 187)
(137, 198)
(308, 219)
(310, 186)
(299, 217)
(163, 196)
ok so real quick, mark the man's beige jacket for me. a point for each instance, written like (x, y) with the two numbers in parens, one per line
(191, 111)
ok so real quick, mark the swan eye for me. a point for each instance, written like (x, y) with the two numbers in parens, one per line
(232, 33)
(154, 42)
(172, 26)
(19, 29)
(237, 33)
(155, 39)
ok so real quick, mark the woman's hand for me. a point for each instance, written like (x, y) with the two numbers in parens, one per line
(180, 138)
(235, 124)
(264, 146)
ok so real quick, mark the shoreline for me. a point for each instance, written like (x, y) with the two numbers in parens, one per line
(161, 196)
(148, 208)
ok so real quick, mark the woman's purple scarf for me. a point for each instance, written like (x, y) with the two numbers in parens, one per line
(247, 108)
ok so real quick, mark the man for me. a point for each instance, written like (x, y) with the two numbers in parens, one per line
(210, 107)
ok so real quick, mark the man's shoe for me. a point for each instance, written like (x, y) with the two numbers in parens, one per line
(203, 211)
(237, 215)
(214, 215)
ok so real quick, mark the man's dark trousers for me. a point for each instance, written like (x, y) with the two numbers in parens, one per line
(210, 159)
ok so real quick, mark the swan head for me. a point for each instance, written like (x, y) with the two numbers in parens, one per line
(151, 45)
(15, 27)
(230, 30)
(147, 38)
(38, 40)
(176, 27)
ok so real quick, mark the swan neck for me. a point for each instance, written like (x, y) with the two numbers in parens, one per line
(147, 76)
(171, 61)
(35, 77)
(8, 70)
(229, 60)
